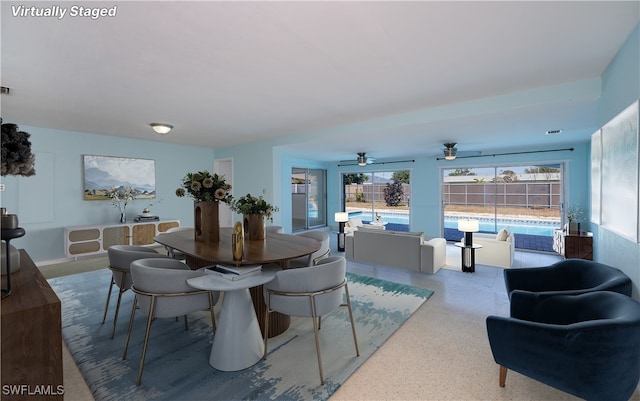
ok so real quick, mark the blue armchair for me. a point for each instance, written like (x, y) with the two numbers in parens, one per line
(567, 277)
(587, 345)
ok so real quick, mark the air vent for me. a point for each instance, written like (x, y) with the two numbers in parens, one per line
(5, 90)
(553, 132)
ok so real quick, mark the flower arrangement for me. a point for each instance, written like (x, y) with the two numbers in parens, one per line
(204, 187)
(253, 205)
(121, 196)
(574, 213)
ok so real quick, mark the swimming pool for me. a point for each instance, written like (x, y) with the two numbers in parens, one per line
(518, 226)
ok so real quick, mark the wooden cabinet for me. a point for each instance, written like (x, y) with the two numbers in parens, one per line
(88, 240)
(31, 327)
(570, 246)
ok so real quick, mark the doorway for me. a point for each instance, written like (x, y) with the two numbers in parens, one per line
(308, 198)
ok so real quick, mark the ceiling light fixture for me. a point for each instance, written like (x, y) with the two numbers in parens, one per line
(162, 129)
(362, 159)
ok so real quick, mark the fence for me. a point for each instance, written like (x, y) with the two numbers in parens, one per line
(369, 192)
(534, 195)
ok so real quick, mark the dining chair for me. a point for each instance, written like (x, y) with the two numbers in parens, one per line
(312, 259)
(310, 292)
(174, 253)
(161, 291)
(274, 229)
(120, 258)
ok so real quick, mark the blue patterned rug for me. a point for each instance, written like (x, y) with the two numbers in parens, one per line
(177, 363)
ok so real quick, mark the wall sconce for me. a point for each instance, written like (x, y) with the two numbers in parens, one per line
(162, 129)
(341, 218)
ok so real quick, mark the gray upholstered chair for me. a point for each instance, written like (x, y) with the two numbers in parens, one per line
(310, 292)
(120, 258)
(162, 291)
(312, 259)
(174, 253)
(274, 229)
(587, 345)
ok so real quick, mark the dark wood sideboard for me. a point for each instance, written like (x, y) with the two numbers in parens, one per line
(579, 246)
(31, 324)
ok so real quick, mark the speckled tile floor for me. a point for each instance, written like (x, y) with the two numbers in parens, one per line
(440, 353)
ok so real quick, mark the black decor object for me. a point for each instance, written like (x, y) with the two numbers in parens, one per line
(17, 158)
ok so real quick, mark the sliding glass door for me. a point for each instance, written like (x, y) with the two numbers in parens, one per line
(308, 198)
(380, 197)
(525, 198)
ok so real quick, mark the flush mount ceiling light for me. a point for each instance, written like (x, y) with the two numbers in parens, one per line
(450, 151)
(162, 129)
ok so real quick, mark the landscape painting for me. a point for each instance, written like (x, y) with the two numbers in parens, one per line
(103, 173)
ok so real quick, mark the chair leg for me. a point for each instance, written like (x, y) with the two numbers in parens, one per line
(120, 291)
(133, 314)
(186, 325)
(146, 339)
(353, 325)
(315, 333)
(503, 375)
(106, 306)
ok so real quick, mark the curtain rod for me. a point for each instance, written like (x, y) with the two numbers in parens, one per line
(511, 153)
(370, 164)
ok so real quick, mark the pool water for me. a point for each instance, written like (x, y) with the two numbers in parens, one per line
(518, 226)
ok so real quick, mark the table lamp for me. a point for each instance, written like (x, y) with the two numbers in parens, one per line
(468, 226)
(341, 218)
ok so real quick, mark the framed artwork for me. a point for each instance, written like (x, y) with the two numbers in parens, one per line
(102, 173)
(619, 205)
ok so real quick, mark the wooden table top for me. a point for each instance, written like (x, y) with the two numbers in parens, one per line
(274, 248)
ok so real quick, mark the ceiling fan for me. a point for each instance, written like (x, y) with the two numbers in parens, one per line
(363, 160)
(451, 152)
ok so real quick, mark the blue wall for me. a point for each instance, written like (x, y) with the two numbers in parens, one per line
(60, 173)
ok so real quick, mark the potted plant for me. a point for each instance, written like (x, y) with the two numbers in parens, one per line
(207, 191)
(574, 215)
(254, 210)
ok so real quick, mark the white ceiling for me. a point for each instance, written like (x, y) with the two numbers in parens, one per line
(393, 79)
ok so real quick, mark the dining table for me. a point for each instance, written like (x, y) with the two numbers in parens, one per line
(276, 248)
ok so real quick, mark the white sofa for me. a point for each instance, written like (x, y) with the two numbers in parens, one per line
(497, 249)
(396, 248)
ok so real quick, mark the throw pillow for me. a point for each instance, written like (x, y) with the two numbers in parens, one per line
(502, 235)
(355, 222)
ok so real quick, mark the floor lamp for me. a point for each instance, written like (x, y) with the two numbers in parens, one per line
(341, 218)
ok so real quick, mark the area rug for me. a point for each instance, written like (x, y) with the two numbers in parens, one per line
(177, 363)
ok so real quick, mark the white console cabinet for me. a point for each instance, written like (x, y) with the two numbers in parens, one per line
(96, 239)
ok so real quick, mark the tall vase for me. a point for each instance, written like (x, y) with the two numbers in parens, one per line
(254, 227)
(206, 222)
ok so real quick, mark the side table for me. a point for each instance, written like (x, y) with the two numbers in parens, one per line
(7, 236)
(468, 256)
